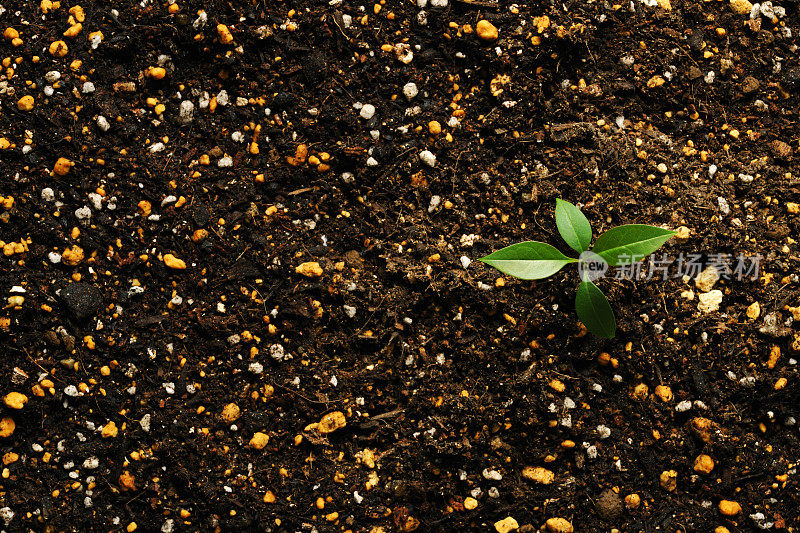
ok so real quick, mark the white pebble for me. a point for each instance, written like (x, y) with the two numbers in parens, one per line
(145, 423)
(83, 213)
(277, 352)
(683, 406)
(492, 475)
(428, 158)
(367, 111)
(410, 90)
(186, 112)
(102, 123)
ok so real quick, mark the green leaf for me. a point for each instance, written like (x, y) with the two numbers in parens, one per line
(573, 226)
(630, 243)
(594, 310)
(528, 260)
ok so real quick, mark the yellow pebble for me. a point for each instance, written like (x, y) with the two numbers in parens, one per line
(559, 525)
(331, 422)
(25, 103)
(157, 73)
(259, 441)
(173, 262)
(310, 269)
(538, 474)
(729, 508)
(632, 501)
(62, 166)
(58, 48)
(486, 30)
(109, 430)
(704, 464)
(7, 426)
(506, 524)
(664, 393)
(224, 34)
(73, 30)
(15, 400)
(230, 413)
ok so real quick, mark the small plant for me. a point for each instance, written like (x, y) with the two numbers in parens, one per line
(618, 246)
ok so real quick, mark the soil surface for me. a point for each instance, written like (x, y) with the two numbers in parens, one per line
(240, 278)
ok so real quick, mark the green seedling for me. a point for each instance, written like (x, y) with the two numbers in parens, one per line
(618, 246)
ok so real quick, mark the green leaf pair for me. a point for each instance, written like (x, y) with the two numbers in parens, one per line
(618, 246)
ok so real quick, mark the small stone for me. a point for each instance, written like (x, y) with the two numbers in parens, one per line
(109, 430)
(538, 474)
(7, 426)
(781, 149)
(753, 311)
(669, 480)
(25, 103)
(410, 90)
(230, 413)
(331, 422)
(505, 525)
(259, 441)
(609, 505)
(750, 85)
(224, 34)
(664, 393)
(741, 7)
(694, 73)
(82, 300)
(310, 269)
(367, 111)
(470, 503)
(633, 501)
(173, 262)
(729, 508)
(72, 256)
(707, 278)
(704, 464)
(640, 392)
(186, 112)
(15, 400)
(62, 166)
(428, 158)
(559, 525)
(487, 31)
(710, 301)
(127, 480)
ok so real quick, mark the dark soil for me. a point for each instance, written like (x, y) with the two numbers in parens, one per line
(449, 380)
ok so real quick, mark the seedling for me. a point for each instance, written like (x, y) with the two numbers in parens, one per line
(618, 246)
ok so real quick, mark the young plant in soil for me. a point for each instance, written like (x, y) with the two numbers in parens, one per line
(618, 246)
